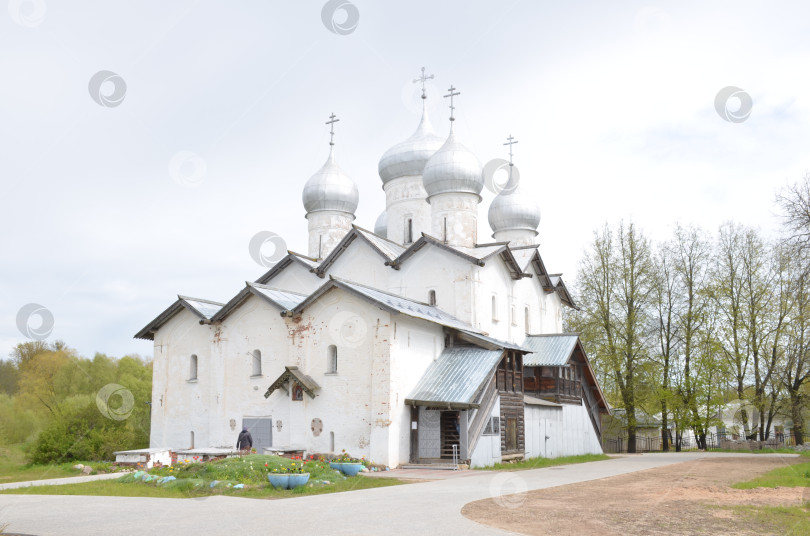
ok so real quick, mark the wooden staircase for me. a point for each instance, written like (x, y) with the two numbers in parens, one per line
(449, 434)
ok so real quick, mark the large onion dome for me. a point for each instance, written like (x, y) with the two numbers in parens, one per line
(381, 225)
(453, 169)
(409, 157)
(330, 189)
(511, 210)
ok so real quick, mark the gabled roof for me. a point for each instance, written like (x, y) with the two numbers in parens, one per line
(552, 350)
(562, 290)
(456, 379)
(292, 257)
(488, 342)
(293, 374)
(283, 299)
(557, 349)
(205, 309)
(476, 255)
(388, 301)
(524, 255)
(388, 249)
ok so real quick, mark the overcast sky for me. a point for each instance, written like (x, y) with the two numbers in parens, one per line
(211, 118)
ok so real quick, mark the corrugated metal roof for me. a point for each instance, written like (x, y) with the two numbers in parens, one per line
(203, 307)
(284, 298)
(479, 252)
(456, 378)
(312, 263)
(390, 249)
(408, 307)
(549, 350)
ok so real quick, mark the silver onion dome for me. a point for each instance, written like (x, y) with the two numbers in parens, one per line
(511, 210)
(410, 156)
(381, 225)
(453, 168)
(330, 189)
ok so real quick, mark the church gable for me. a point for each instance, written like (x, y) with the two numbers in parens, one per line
(202, 309)
(294, 272)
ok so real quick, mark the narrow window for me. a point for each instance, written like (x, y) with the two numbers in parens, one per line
(512, 316)
(409, 231)
(192, 367)
(494, 309)
(332, 359)
(432, 297)
(192, 440)
(257, 362)
(526, 328)
(331, 441)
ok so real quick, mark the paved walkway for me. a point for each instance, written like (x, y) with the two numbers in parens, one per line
(418, 508)
(60, 481)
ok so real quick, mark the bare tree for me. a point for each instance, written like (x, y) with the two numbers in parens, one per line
(795, 204)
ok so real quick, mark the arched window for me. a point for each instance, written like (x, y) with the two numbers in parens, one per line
(332, 359)
(527, 327)
(256, 358)
(192, 367)
(494, 309)
(512, 316)
(432, 297)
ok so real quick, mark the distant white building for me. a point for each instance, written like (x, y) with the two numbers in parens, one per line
(396, 344)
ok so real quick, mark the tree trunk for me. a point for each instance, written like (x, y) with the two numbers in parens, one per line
(664, 427)
(798, 420)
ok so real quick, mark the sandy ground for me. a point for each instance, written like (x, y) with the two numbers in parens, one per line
(686, 498)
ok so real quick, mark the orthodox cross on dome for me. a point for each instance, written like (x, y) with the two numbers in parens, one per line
(510, 142)
(332, 120)
(423, 79)
(452, 94)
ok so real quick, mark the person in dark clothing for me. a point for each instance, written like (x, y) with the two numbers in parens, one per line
(245, 441)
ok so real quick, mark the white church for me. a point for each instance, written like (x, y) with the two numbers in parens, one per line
(407, 345)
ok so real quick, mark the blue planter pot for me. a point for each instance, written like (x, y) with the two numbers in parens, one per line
(335, 465)
(279, 481)
(351, 469)
(298, 480)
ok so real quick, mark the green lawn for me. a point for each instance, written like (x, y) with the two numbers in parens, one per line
(789, 476)
(13, 467)
(194, 480)
(537, 463)
(788, 520)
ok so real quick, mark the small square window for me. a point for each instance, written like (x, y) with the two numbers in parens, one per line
(493, 426)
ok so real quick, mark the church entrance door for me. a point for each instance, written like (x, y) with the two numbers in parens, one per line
(450, 433)
(261, 430)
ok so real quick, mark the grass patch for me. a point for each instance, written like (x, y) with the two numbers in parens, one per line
(537, 463)
(787, 520)
(13, 467)
(789, 476)
(195, 480)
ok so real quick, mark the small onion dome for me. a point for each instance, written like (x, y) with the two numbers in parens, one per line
(410, 156)
(381, 225)
(330, 189)
(513, 211)
(453, 168)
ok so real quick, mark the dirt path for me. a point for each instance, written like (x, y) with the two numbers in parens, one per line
(686, 498)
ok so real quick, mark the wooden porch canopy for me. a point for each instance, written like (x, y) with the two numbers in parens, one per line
(293, 373)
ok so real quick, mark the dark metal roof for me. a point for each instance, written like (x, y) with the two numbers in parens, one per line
(456, 378)
(204, 309)
(307, 262)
